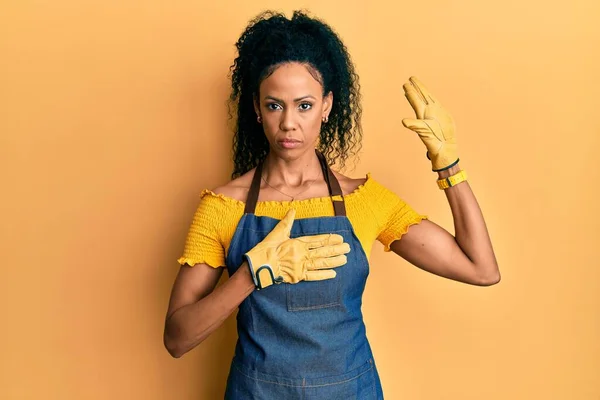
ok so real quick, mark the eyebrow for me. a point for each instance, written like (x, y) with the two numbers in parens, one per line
(295, 100)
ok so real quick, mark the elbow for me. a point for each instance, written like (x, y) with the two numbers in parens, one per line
(172, 346)
(490, 279)
(173, 340)
(178, 344)
(179, 338)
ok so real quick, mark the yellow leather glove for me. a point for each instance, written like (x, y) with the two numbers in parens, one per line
(434, 125)
(279, 259)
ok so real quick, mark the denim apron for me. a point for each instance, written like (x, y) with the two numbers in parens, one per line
(305, 340)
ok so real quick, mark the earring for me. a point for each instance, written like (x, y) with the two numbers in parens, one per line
(259, 119)
(325, 119)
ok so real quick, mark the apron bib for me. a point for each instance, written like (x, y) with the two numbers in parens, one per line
(305, 340)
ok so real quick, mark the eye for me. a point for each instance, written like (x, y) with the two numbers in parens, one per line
(272, 106)
(305, 106)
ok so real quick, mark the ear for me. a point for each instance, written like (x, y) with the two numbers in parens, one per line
(327, 103)
(256, 104)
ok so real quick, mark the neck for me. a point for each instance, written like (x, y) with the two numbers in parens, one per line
(292, 172)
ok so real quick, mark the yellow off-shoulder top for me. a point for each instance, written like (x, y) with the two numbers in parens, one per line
(375, 212)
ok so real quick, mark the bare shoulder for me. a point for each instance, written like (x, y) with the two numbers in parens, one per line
(237, 188)
(348, 184)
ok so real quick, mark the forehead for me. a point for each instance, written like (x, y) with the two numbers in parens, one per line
(290, 80)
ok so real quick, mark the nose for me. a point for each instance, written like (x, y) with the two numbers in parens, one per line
(287, 122)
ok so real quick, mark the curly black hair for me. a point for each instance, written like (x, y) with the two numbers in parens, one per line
(270, 40)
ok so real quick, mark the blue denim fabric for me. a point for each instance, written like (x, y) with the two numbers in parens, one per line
(305, 340)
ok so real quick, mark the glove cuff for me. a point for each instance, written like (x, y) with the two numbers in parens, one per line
(263, 276)
(445, 168)
(250, 267)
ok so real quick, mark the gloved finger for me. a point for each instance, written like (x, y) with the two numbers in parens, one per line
(283, 227)
(329, 251)
(320, 275)
(416, 101)
(326, 239)
(419, 126)
(420, 87)
(328, 262)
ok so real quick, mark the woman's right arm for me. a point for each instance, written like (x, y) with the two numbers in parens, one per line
(196, 308)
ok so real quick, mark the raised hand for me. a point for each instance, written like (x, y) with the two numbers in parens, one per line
(433, 124)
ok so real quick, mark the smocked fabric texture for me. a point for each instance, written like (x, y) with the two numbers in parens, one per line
(375, 213)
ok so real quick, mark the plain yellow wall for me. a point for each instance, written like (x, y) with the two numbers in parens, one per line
(112, 121)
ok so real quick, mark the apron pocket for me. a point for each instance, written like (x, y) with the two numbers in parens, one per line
(314, 295)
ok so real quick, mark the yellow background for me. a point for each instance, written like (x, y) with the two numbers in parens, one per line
(113, 119)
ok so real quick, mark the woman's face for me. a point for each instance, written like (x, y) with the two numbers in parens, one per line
(291, 105)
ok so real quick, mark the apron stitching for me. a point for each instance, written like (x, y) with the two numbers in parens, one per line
(374, 381)
(328, 305)
(304, 379)
(304, 233)
(234, 241)
(340, 382)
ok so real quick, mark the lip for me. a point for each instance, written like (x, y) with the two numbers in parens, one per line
(289, 140)
(289, 143)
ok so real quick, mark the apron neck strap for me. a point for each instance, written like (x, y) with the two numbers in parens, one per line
(254, 189)
(335, 191)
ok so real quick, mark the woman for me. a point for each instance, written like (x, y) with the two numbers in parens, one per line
(295, 236)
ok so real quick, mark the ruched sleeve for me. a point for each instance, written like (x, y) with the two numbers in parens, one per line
(203, 243)
(394, 216)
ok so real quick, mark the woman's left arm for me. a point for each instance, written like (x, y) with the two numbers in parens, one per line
(468, 256)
